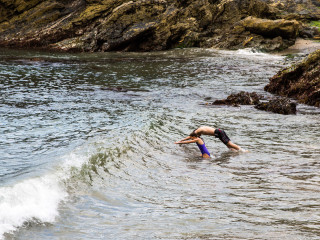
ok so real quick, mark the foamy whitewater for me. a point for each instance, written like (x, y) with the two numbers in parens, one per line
(87, 149)
(34, 199)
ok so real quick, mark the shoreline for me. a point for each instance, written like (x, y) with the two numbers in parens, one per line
(302, 47)
(305, 46)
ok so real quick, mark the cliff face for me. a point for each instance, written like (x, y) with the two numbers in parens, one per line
(149, 25)
(301, 81)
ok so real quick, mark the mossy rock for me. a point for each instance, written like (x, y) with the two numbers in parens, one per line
(300, 81)
(142, 25)
(271, 28)
(36, 17)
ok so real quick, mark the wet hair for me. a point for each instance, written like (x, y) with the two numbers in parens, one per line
(194, 134)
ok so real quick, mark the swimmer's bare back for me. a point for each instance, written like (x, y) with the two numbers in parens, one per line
(205, 130)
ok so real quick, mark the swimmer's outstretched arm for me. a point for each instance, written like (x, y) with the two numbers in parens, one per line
(186, 141)
(185, 138)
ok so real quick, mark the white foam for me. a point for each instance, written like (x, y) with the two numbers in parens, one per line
(36, 198)
(249, 52)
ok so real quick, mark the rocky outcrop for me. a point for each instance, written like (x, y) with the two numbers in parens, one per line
(263, 34)
(303, 10)
(300, 81)
(105, 25)
(278, 105)
(242, 98)
(148, 25)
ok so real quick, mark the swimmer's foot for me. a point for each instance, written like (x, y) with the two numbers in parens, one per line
(240, 150)
(243, 150)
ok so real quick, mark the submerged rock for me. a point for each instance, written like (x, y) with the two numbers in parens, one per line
(115, 89)
(278, 105)
(300, 81)
(242, 98)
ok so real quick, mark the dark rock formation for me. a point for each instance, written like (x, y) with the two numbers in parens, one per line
(242, 98)
(149, 25)
(301, 81)
(278, 105)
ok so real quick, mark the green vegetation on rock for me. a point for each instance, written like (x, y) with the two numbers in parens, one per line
(315, 24)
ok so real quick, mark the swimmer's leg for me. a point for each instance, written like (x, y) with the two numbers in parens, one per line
(233, 146)
(221, 134)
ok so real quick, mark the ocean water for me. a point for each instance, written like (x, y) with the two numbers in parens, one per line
(87, 149)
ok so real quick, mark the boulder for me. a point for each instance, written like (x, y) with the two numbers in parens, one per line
(278, 105)
(306, 31)
(271, 28)
(242, 98)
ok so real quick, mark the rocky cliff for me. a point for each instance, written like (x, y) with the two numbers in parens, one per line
(149, 25)
(300, 81)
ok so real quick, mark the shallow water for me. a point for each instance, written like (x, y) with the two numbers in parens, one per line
(86, 149)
